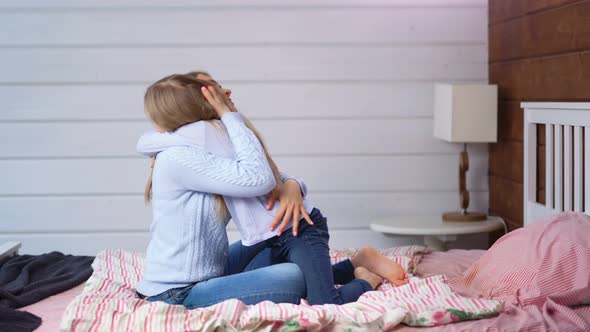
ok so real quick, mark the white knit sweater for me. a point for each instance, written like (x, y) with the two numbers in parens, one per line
(188, 240)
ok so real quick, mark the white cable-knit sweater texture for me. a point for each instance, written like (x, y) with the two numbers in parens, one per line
(188, 240)
(249, 214)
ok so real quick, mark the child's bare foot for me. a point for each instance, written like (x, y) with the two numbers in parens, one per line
(370, 277)
(401, 282)
(373, 261)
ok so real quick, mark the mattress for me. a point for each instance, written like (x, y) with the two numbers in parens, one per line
(450, 264)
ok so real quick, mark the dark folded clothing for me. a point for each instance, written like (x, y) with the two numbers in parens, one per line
(17, 321)
(26, 279)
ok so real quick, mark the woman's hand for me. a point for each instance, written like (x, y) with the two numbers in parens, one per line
(291, 206)
(217, 99)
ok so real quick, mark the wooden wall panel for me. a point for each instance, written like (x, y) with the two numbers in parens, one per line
(506, 198)
(511, 120)
(563, 77)
(506, 160)
(539, 50)
(504, 10)
(500, 10)
(549, 32)
(537, 5)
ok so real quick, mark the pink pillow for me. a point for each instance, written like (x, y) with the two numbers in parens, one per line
(550, 257)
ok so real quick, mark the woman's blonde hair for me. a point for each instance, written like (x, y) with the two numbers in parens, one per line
(175, 101)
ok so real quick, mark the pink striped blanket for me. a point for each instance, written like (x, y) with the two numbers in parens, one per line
(108, 303)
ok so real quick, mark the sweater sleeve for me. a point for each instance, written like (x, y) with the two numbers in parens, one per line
(246, 175)
(152, 142)
(302, 185)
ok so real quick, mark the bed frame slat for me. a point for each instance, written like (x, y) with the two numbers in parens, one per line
(549, 165)
(530, 165)
(587, 169)
(578, 168)
(567, 168)
(558, 171)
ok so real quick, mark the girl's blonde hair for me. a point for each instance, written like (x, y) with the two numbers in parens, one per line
(175, 101)
(248, 123)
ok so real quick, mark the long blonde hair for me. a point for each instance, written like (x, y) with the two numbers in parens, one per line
(175, 101)
(250, 125)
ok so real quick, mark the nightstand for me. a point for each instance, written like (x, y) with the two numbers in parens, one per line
(437, 233)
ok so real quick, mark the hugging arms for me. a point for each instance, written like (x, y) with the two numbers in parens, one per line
(208, 167)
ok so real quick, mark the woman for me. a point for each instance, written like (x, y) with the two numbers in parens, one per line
(186, 255)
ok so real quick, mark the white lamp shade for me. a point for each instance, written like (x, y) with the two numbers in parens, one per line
(466, 112)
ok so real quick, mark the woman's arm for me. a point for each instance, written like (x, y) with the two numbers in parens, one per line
(150, 143)
(153, 142)
(247, 175)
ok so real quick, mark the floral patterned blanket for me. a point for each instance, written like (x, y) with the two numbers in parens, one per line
(109, 303)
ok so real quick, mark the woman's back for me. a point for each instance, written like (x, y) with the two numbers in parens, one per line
(249, 214)
(189, 241)
(188, 238)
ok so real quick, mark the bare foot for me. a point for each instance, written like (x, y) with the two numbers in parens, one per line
(400, 282)
(373, 261)
(370, 277)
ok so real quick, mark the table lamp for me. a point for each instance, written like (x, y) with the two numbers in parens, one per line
(465, 113)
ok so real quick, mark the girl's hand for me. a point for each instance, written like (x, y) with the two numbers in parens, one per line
(291, 206)
(216, 99)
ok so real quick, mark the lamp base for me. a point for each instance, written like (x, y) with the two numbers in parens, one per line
(467, 216)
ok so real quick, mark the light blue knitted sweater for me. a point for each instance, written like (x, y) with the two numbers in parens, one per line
(249, 214)
(188, 240)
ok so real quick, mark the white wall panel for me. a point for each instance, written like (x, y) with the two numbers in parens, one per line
(233, 4)
(99, 213)
(91, 243)
(189, 27)
(342, 90)
(275, 100)
(244, 63)
(284, 137)
(338, 173)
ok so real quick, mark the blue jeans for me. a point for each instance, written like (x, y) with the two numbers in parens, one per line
(310, 251)
(281, 283)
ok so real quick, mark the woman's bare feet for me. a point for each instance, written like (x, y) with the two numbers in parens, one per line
(368, 276)
(372, 260)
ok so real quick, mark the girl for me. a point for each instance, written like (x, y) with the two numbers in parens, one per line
(309, 250)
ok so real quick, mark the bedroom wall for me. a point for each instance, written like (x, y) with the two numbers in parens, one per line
(538, 51)
(342, 91)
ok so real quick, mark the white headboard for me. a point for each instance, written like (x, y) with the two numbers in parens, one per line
(567, 158)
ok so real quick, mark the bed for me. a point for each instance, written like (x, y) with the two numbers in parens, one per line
(567, 127)
(451, 263)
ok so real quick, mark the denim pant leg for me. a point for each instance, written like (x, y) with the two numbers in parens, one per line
(310, 252)
(263, 259)
(281, 283)
(244, 258)
(247, 258)
(171, 296)
(343, 272)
